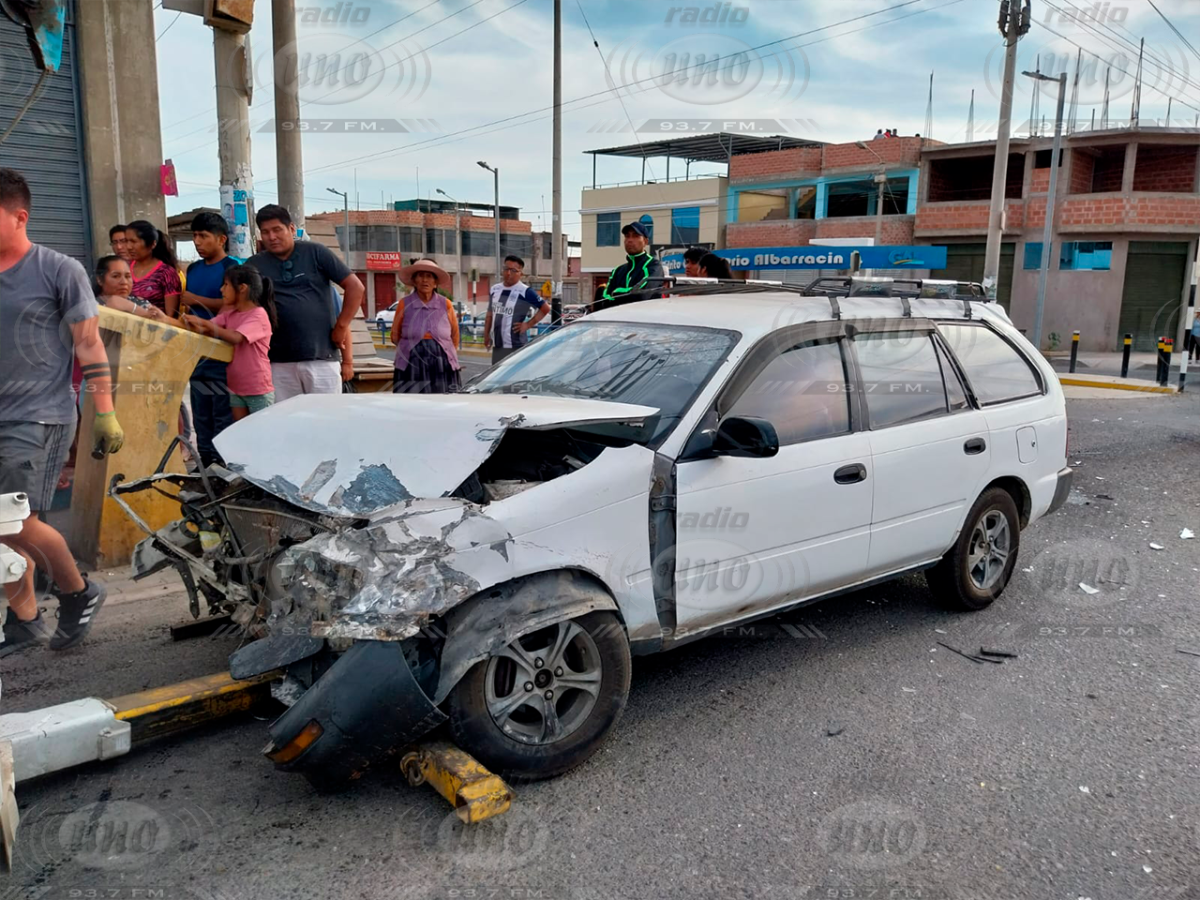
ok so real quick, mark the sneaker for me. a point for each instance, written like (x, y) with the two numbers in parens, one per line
(76, 612)
(20, 635)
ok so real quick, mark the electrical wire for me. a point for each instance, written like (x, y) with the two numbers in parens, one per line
(1097, 56)
(271, 101)
(1171, 25)
(521, 119)
(1149, 54)
(169, 27)
(390, 25)
(29, 101)
(624, 109)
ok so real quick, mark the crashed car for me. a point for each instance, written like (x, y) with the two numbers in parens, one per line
(646, 476)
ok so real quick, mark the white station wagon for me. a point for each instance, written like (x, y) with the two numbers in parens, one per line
(491, 560)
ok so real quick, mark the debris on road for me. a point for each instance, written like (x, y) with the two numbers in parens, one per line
(1187, 534)
(1084, 789)
(1188, 652)
(1088, 589)
(983, 651)
(834, 730)
(1154, 546)
(978, 659)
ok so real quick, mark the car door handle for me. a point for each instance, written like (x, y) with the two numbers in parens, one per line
(851, 474)
(974, 445)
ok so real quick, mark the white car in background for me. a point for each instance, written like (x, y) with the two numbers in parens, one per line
(385, 317)
(648, 475)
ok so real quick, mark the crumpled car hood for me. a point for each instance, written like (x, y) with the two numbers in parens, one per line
(356, 454)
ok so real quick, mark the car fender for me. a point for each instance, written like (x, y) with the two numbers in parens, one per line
(499, 615)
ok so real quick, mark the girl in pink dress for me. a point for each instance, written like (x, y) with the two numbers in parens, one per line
(247, 321)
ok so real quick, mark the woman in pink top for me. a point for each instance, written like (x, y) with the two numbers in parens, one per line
(246, 321)
(155, 269)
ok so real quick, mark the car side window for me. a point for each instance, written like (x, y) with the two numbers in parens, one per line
(901, 377)
(956, 395)
(996, 371)
(802, 392)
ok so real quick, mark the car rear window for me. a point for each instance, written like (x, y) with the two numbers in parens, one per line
(996, 371)
(901, 376)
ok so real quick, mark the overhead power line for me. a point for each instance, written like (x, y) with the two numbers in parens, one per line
(520, 119)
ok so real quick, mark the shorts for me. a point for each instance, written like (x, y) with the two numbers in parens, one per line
(31, 458)
(253, 402)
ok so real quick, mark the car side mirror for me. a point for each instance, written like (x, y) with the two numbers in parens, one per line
(745, 436)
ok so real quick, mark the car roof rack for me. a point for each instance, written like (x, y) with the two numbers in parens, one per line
(834, 287)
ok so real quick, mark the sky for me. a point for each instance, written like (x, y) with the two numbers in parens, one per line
(472, 80)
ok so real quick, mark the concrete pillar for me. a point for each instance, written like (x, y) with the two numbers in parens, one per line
(1130, 165)
(370, 295)
(122, 135)
(822, 198)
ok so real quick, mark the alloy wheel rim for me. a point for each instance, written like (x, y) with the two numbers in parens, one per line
(542, 687)
(989, 550)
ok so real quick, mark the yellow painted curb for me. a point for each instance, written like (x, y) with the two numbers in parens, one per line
(1117, 386)
(176, 707)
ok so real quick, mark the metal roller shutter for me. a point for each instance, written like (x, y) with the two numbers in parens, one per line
(1154, 272)
(964, 262)
(46, 146)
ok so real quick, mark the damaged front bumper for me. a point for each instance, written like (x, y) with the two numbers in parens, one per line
(335, 730)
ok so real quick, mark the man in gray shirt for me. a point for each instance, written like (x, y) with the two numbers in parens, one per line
(305, 344)
(47, 316)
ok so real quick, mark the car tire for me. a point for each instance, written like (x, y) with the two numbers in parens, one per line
(596, 648)
(971, 575)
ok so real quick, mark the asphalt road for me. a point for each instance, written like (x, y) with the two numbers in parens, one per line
(838, 753)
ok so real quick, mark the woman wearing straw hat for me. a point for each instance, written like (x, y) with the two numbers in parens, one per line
(425, 332)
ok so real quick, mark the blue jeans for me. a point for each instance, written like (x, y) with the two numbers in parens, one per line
(211, 415)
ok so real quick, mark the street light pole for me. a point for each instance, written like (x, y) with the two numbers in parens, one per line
(496, 174)
(1048, 226)
(345, 218)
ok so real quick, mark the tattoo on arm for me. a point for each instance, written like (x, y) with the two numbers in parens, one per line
(96, 370)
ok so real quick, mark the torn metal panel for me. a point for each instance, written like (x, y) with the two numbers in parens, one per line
(356, 455)
(384, 581)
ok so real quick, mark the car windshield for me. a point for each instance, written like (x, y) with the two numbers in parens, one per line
(663, 366)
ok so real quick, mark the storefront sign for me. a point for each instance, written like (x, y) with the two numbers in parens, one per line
(384, 261)
(819, 257)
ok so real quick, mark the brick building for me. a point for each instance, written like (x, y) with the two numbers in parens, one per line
(1127, 213)
(381, 241)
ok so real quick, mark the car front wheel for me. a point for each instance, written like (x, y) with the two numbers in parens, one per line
(542, 705)
(977, 568)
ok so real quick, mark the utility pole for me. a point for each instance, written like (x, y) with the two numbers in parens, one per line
(556, 261)
(460, 277)
(230, 21)
(496, 173)
(289, 160)
(881, 180)
(1048, 227)
(1013, 23)
(234, 92)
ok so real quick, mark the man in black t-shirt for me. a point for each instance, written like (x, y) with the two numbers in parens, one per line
(304, 346)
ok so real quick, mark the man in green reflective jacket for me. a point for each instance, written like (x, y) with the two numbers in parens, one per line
(640, 277)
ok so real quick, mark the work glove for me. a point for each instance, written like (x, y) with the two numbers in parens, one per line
(108, 435)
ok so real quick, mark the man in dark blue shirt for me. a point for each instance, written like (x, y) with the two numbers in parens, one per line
(210, 395)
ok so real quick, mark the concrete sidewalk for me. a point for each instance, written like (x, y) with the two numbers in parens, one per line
(1141, 365)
